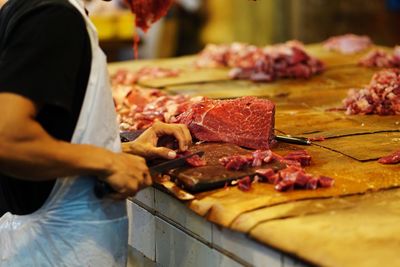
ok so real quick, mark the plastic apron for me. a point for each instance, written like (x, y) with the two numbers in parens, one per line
(74, 228)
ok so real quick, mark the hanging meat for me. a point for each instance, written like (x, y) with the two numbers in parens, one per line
(146, 13)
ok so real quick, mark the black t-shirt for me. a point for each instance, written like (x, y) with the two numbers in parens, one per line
(46, 58)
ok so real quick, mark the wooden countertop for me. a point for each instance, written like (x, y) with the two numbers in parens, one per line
(352, 224)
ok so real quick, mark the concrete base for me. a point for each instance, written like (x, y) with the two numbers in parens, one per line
(164, 232)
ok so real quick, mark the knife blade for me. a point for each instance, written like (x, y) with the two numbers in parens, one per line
(293, 140)
(102, 189)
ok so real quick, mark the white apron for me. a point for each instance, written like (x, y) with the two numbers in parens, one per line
(74, 228)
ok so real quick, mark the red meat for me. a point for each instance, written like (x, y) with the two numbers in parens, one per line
(148, 11)
(268, 175)
(261, 64)
(300, 156)
(236, 162)
(246, 121)
(381, 59)
(393, 158)
(348, 43)
(381, 96)
(244, 184)
(196, 161)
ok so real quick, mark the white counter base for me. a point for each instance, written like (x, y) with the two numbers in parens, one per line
(167, 233)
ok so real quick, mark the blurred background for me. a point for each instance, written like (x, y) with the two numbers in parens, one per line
(191, 24)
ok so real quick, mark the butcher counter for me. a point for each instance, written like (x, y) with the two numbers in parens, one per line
(354, 223)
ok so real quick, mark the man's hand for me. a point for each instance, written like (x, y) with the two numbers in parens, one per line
(146, 144)
(127, 175)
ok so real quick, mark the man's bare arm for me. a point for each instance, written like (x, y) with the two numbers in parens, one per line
(27, 151)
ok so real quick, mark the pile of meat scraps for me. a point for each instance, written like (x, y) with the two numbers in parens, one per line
(293, 176)
(139, 108)
(381, 96)
(381, 59)
(348, 43)
(246, 121)
(261, 64)
(126, 77)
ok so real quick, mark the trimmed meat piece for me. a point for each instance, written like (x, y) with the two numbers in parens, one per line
(380, 59)
(348, 43)
(317, 138)
(312, 184)
(268, 175)
(325, 182)
(393, 158)
(300, 156)
(246, 121)
(236, 162)
(196, 161)
(244, 184)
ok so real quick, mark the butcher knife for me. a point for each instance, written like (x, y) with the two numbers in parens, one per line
(102, 189)
(293, 140)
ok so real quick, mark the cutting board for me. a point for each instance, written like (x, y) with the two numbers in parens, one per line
(213, 175)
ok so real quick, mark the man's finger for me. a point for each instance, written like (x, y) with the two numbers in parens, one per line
(147, 178)
(187, 134)
(163, 152)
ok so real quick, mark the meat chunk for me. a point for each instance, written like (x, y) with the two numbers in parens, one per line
(196, 161)
(236, 162)
(148, 11)
(244, 184)
(381, 59)
(348, 43)
(381, 96)
(393, 158)
(246, 121)
(300, 156)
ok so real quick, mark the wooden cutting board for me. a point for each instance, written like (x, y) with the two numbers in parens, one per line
(214, 175)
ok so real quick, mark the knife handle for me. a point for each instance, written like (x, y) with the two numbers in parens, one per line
(102, 189)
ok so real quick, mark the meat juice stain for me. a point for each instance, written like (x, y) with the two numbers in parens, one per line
(146, 13)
